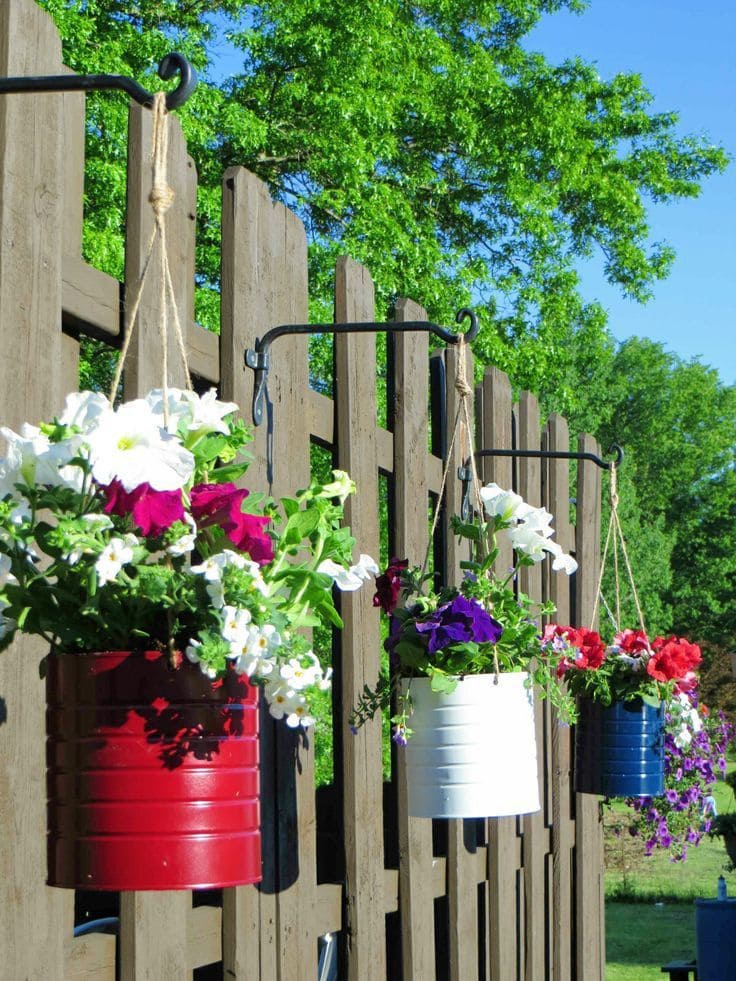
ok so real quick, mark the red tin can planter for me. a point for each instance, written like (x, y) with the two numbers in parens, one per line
(152, 774)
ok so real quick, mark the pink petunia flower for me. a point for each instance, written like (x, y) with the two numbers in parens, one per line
(221, 504)
(152, 511)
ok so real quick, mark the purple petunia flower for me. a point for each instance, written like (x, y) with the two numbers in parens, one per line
(461, 621)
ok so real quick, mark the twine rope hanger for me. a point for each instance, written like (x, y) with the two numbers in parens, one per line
(463, 428)
(160, 198)
(615, 536)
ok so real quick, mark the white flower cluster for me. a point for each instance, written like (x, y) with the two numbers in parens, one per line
(255, 650)
(528, 528)
(130, 443)
(684, 712)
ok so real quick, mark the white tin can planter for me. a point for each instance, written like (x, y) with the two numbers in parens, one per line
(472, 752)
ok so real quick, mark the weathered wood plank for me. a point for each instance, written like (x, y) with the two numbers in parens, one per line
(589, 928)
(504, 851)
(204, 936)
(461, 889)
(90, 300)
(411, 497)
(203, 352)
(530, 582)
(355, 414)
(35, 920)
(153, 925)
(90, 958)
(153, 935)
(144, 363)
(557, 492)
(74, 107)
(321, 423)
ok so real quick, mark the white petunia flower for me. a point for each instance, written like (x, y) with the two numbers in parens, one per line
(562, 562)
(117, 553)
(179, 404)
(539, 520)
(208, 414)
(348, 580)
(504, 504)
(529, 542)
(5, 567)
(341, 487)
(683, 737)
(128, 445)
(84, 410)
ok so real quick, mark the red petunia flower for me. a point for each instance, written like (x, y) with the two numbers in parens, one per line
(632, 642)
(674, 659)
(388, 585)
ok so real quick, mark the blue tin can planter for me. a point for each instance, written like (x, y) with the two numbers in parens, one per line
(619, 750)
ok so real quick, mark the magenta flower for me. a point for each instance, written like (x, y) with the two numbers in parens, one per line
(152, 511)
(221, 505)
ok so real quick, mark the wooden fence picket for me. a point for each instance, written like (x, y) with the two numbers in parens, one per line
(411, 500)
(35, 920)
(500, 899)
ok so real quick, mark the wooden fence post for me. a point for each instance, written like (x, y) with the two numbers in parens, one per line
(530, 582)
(355, 424)
(557, 492)
(35, 921)
(268, 931)
(590, 900)
(504, 853)
(153, 925)
(462, 889)
(411, 498)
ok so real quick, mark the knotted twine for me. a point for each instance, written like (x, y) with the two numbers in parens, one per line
(160, 198)
(615, 533)
(462, 426)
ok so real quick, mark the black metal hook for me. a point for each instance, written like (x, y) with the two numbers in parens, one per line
(259, 359)
(465, 474)
(170, 65)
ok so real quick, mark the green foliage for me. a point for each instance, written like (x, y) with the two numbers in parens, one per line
(421, 139)
(424, 140)
(483, 626)
(704, 560)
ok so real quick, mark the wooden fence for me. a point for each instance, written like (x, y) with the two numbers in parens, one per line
(516, 898)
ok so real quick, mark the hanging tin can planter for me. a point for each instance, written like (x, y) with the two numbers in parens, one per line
(152, 774)
(619, 749)
(472, 751)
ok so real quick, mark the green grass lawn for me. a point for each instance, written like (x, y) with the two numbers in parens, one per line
(641, 937)
(650, 917)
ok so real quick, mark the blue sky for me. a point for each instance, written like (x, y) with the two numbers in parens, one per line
(686, 55)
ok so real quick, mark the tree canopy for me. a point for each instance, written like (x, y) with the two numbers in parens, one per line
(426, 140)
(423, 139)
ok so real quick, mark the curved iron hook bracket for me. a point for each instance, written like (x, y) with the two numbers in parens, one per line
(259, 357)
(170, 65)
(465, 474)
